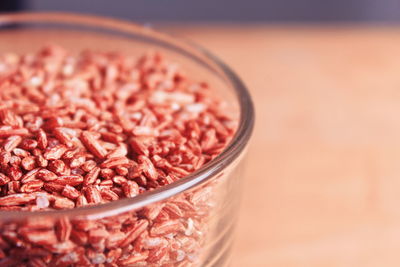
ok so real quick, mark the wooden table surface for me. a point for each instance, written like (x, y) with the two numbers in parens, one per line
(323, 179)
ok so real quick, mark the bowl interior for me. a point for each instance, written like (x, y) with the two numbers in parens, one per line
(27, 33)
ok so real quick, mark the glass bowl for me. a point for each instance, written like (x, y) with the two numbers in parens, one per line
(202, 207)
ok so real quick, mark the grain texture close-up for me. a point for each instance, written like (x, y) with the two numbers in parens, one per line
(199, 133)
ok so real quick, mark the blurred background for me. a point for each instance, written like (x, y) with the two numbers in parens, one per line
(323, 186)
(224, 10)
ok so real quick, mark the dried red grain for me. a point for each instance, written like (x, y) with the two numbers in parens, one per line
(98, 127)
(93, 145)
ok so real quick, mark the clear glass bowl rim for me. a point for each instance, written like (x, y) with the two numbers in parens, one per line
(232, 152)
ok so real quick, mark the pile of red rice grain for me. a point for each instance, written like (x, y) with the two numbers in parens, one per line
(94, 128)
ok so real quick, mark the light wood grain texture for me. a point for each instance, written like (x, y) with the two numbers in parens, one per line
(323, 180)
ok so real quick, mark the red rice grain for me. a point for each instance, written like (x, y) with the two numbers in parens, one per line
(94, 128)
